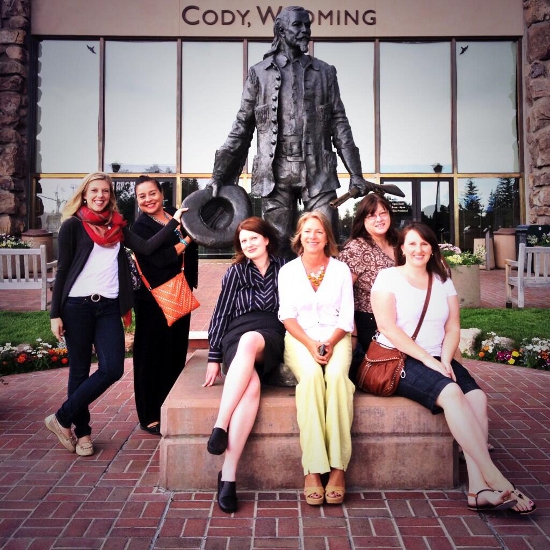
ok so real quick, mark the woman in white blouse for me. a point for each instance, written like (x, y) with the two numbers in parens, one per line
(431, 376)
(316, 307)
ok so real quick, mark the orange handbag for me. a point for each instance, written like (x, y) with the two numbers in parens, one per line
(174, 297)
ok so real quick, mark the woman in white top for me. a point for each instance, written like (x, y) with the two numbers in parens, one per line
(431, 376)
(92, 291)
(316, 307)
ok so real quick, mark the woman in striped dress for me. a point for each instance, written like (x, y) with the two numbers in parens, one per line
(246, 343)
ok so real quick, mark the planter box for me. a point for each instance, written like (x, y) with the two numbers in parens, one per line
(466, 281)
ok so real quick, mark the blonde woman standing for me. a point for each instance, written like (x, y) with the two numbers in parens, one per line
(92, 291)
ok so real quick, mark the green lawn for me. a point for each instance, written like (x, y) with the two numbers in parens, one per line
(516, 324)
(25, 328)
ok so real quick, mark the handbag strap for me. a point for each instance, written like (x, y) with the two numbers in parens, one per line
(145, 281)
(424, 309)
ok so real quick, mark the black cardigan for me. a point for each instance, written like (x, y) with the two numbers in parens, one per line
(74, 248)
(164, 264)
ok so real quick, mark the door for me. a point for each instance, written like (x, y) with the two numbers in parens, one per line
(428, 200)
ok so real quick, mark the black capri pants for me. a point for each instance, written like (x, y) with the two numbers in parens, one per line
(423, 385)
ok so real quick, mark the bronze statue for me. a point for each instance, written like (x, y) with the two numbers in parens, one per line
(293, 101)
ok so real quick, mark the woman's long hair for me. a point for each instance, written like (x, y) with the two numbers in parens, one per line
(331, 248)
(256, 225)
(436, 264)
(77, 200)
(367, 207)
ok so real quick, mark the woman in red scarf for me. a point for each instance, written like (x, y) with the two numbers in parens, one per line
(92, 291)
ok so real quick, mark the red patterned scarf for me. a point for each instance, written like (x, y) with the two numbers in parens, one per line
(104, 228)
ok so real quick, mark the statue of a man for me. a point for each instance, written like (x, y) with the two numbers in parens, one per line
(293, 101)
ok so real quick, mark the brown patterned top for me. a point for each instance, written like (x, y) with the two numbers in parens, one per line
(365, 260)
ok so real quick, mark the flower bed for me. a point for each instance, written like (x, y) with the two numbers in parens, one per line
(27, 358)
(533, 353)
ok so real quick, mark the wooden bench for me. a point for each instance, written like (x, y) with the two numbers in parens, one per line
(27, 269)
(532, 270)
(397, 444)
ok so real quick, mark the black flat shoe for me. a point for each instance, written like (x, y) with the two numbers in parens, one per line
(217, 443)
(154, 430)
(227, 495)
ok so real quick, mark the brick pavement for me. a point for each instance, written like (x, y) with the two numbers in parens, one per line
(51, 499)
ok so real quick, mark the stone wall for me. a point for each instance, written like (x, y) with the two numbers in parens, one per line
(14, 67)
(537, 109)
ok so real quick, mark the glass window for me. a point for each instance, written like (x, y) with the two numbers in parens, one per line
(435, 208)
(487, 138)
(54, 193)
(125, 192)
(256, 52)
(354, 62)
(68, 106)
(346, 212)
(486, 203)
(415, 107)
(212, 86)
(140, 106)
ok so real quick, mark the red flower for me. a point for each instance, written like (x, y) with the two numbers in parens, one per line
(54, 358)
(64, 360)
(22, 358)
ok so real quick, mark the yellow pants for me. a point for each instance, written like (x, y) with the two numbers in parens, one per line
(324, 401)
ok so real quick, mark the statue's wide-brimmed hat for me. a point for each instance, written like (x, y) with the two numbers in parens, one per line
(212, 221)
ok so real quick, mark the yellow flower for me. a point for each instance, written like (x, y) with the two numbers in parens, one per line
(511, 361)
(515, 354)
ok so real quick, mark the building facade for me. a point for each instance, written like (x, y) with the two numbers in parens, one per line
(448, 100)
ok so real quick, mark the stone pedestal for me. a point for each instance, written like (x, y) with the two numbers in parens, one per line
(397, 444)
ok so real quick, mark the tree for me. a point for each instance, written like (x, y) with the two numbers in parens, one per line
(471, 199)
(503, 204)
(188, 185)
(470, 209)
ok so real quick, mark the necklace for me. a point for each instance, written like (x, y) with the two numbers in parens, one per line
(166, 217)
(177, 231)
(315, 278)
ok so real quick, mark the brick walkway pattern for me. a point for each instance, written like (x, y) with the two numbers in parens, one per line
(52, 499)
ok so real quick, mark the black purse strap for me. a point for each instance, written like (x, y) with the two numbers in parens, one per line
(425, 308)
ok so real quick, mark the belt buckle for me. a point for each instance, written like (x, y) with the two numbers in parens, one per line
(95, 297)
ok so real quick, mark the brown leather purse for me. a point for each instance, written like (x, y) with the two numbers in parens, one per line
(382, 367)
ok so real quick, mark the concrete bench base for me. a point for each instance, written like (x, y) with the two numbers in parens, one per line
(397, 444)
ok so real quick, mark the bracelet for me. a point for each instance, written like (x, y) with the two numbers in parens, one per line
(184, 242)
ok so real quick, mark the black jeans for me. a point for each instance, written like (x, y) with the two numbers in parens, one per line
(88, 323)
